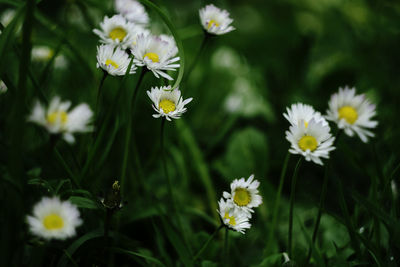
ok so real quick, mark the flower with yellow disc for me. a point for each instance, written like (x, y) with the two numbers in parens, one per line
(215, 21)
(54, 219)
(233, 217)
(113, 60)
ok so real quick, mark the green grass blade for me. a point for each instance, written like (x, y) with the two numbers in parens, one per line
(137, 254)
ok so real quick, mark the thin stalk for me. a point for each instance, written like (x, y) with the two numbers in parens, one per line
(199, 53)
(205, 245)
(292, 194)
(99, 91)
(278, 199)
(226, 247)
(129, 131)
(170, 192)
(320, 209)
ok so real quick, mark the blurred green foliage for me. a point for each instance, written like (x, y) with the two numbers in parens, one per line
(281, 52)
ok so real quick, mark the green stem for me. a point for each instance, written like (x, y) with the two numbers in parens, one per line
(197, 58)
(129, 131)
(277, 200)
(292, 194)
(170, 192)
(226, 248)
(320, 209)
(207, 242)
(99, 91)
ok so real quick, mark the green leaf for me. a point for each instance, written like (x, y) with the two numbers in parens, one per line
(84, 203)
(272, 260)
(77, 244)
(137, 254)
(315, 251)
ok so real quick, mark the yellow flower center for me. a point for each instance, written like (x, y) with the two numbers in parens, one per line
(57, 116)
(167, 105)
(348, 113)
(112, 63)
(242, 197)
(211, 23)
(53, 222)
(231, 219)
(118, 33)
(308, 142)
(152, 56)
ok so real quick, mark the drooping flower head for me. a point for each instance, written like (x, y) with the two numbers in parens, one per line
(312, 140)
(157, 54)
(352, 112)
(244, 194)
(58, 120)
(233, 217)
(167, 102)
(54, 219)
(301, 112)
(215, 21)
(117, 31)
(132, 11)
(113, 60)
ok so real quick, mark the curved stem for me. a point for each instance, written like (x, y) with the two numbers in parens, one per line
(292, 194)
(199, 53)
(129, 131)
(207, 242)
(226, 247)
(99, 91)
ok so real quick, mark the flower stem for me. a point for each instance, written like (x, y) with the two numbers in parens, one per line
(277, 200)
(98, 98)
(292, 194)
(129, 130)
(207, 242)
(226, 247)
(199, 53)
(170, 192)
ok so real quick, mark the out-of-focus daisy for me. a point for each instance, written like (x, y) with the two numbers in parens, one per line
(352, 112)
(3, 87)
(167, 102)
(132, 11)
(54, 219)
(156, 54)
(313, 141)
(117, 31)
(215, 21)
(244, 194)
(233, 217)
(58, 120)
(43, 53)
(113, 60)
(301, 112)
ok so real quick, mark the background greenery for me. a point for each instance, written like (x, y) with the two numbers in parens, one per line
(281, 52)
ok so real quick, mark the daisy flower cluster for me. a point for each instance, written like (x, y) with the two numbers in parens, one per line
(126, 35)
(309, 132)
(236, 206)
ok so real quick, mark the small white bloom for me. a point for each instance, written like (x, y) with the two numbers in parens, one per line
(117, 31)
(244, 194)
(113, 60)
(132, 11)
(156, 54)
(215, 21)
(301, 112)
(352, 112)
(44, 54)
(313, 141)
(58, 120)
(233, 217)
(54, 219)
(3, 87)
(167, 102)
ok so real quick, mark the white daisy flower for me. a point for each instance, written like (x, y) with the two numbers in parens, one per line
(167, 102)
(54, 219)
(3, 87)
(244, 194)
(302, 112)
(43, 53)
(313, 141)
(156, 54)
(132, 11)
(215, 21)
(352, 112)
(113, 60)
(233, 217)
(117, 31)
(58, 120)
